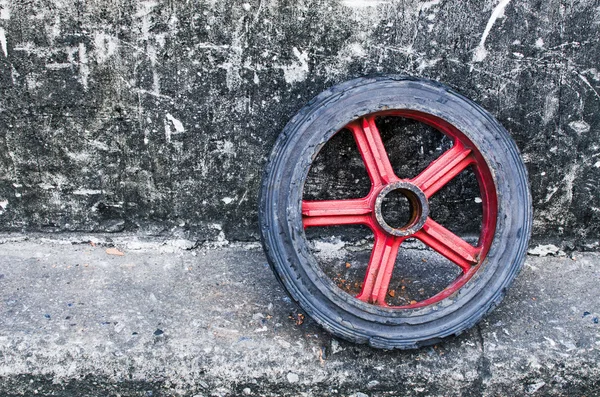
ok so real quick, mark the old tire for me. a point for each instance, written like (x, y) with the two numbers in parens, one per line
(487, 269)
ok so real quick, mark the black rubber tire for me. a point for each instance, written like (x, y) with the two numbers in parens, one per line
(283, 236)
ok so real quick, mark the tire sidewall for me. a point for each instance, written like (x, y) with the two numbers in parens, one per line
(283, 235)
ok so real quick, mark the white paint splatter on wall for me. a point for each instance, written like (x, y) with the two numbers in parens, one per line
(105, 46)
(539, 43)
(298, 70)
(172, 126)
(551, 104)
(480, 52)
(579, 126)
(4, 10)
(226, 147)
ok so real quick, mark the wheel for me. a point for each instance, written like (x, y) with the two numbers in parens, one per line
(485, 268)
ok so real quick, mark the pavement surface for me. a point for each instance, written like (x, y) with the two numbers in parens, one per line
(167, 319)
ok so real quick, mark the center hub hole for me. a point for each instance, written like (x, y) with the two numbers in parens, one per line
(398, 210)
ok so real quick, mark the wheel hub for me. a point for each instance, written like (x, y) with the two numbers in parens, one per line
(419, 208)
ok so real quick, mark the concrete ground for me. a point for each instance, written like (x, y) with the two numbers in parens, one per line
(167, 319)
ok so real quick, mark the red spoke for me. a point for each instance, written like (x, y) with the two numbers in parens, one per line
(443, 169)
(336, 212)
(372, 151)
(380, 269)
(448, 244)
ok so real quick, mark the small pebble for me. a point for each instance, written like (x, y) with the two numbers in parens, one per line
(595, 320)
(158, 332)
(292, 377)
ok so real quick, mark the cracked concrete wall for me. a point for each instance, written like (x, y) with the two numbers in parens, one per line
(158, 116)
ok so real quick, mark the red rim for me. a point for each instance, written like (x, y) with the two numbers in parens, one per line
(367, 211)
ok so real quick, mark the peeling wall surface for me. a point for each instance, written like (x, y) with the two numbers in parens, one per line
(158, 116)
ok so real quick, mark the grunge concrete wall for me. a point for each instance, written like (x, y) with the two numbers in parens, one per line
(157, 116)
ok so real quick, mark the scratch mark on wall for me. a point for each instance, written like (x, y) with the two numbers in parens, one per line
(243, 198)
(550, 107)
(84, 69)
(30, 48)
(57, 66)
(594, 73)
(3, 42)
(480, 52)
(551, 191)
(151, 93)
(363, 3)
(86, 192)
(144, 13)
(212, 46)
(568, 184)
(151, 50)
(585, 80)
(233, 64)
(143, 91)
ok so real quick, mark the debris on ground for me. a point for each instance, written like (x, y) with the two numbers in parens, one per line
(114, 251)
(546, 250)
(298, 318)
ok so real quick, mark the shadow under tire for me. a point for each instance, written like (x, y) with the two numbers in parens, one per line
(487, 269)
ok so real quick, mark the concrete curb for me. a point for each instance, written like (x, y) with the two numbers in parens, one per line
(214, 322)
